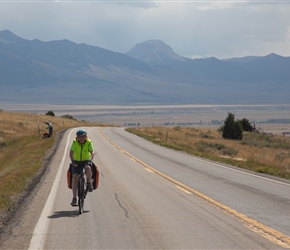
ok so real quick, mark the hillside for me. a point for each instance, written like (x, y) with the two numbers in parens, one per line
(63, 72)
(24, 156)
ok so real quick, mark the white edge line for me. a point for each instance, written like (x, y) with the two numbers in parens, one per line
(246, 173)
(40, 230)
(216, 164)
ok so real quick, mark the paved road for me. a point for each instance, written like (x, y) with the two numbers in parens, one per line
(153, 198)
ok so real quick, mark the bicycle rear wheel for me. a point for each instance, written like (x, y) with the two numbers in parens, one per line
(81, 194)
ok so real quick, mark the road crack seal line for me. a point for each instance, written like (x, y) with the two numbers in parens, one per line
(263, 230)
(117, 199)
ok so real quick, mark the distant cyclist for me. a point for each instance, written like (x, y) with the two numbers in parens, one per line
(50, 129)
(81, 154)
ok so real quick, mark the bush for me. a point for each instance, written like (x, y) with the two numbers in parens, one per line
(229, 151)
(177, 128)
(68, 117)
(232, 129)
(190, 135)
(203, 146)
(206, 135)
(2, 144)
(246, 125)
(50, 112)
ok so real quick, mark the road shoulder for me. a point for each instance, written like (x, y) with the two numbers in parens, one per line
(17, 224)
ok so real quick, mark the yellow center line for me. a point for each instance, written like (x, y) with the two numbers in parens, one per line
(184, 190)
(263, 230)
(149, 170)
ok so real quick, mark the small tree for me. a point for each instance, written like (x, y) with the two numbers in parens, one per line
(50, 112)
(232, 129)
(246, 125)
(238, 131)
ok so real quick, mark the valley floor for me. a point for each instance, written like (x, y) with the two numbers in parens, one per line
(267, 118)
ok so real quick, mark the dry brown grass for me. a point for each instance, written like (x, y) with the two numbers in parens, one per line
(22, 151)
(258, 152)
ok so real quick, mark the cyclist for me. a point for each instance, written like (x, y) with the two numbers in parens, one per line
(81, 154)
(50, 128)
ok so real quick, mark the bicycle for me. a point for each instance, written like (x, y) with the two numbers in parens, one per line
(82, 185)
(82, 190)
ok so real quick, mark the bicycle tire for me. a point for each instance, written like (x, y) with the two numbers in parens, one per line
(81, 194)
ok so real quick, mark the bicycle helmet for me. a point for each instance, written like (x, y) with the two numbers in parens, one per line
(81, 132)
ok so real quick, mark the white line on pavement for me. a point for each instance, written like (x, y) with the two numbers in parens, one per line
(40, 230)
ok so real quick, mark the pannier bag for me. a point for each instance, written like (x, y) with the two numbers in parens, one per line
(69, 176)
(95, 176)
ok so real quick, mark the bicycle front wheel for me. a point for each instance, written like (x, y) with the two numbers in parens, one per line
(81, 194)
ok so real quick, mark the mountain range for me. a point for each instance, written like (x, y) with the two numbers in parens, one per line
(64, 72)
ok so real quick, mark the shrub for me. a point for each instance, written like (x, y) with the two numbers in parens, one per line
(229, 151)
(263, 140)
(68, 117)
(246, 125)
(2, 144)
(206, 135)
(218, 146)
(177, 128)
(232, 129)
(190, 135)
(50, 112)
(281, 157)
(203, 146)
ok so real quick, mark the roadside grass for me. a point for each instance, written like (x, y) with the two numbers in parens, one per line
(22, 152)
(262, 153)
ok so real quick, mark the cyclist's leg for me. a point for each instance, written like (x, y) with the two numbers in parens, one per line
(75, 184)
(89, 176)
(88, 173)
(75, 179)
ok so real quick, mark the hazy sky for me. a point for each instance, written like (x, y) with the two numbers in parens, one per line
(222, 29)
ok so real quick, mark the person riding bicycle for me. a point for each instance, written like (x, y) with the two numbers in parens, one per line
(81, 154)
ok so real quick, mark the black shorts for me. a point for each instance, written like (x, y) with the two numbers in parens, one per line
(80, 166)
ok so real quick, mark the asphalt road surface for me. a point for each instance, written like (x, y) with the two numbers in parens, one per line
(150, 197)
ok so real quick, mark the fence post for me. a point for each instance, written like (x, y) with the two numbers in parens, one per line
(38, 130)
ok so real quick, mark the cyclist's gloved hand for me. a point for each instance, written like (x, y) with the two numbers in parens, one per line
(74, 163)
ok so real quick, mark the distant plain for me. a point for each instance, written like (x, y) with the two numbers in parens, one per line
(209, 116)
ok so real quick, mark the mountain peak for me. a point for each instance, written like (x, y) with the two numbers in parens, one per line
(154, 52)
(273, 55)
(7, 36)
